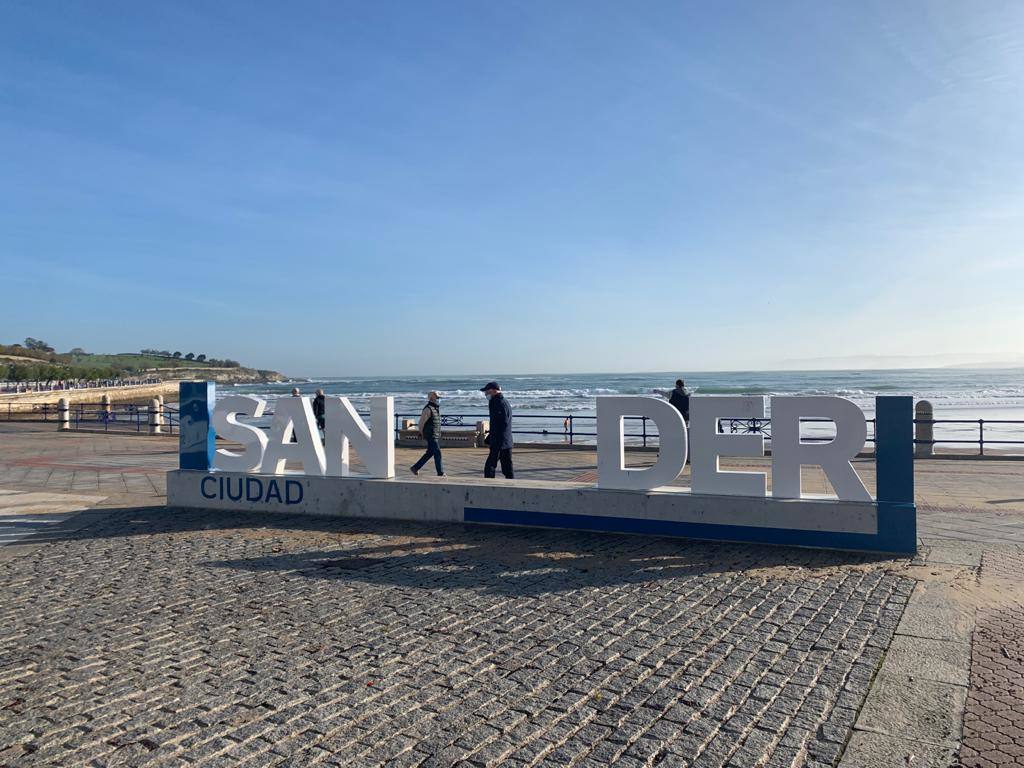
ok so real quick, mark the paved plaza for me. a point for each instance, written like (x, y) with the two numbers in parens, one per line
(137, 635)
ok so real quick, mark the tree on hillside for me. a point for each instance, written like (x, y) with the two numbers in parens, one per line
(200, 358)
(190, 356)
(38, 345)
(77, 351)
(177, 355)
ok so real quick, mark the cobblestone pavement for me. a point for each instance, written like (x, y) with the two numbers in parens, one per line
(135, 635)
(162, 637)
(994, 720)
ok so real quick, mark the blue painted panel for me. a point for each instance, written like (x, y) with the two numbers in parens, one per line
(197, 440)
(897, 527)
(739, 533)
(894, 449)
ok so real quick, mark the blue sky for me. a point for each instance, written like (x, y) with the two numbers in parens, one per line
(333, 188)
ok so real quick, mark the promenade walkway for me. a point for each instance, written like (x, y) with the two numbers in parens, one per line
(137, 635)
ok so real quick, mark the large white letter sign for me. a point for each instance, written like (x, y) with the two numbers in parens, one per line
(789, 453)
(708, 444)
(252, 438)
(376, 448)
(294, 415)
(611, 458)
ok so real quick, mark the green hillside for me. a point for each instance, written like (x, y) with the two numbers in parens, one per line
(35, 360)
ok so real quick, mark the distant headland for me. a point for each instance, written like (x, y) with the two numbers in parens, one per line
(34, 368)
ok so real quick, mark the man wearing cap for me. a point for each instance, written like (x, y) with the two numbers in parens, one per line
(500, 438)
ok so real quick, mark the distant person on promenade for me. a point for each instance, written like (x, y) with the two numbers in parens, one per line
(295, 393)
(679, 398)
(430, 428)
(318, 409)
(500, 438)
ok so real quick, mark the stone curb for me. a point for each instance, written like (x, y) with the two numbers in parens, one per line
(913, 715)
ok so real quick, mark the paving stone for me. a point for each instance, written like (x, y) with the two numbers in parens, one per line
(931, 614)
(875, 750)
(219, 636)
(927, 711)
(941, 661)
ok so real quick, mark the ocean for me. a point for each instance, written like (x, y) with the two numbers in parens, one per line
(543, 401)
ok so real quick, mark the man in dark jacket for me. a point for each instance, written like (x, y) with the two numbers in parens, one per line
(678, 397)
(319, 403)
(500, 439)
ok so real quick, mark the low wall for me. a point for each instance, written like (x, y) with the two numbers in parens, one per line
(143, 393)
(804, 522)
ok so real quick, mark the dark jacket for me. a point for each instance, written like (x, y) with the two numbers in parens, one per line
(432, 429)
(501, 422)
(680, 398)
(318, 407)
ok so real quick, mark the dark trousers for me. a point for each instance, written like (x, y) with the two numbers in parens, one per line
(433, 449)
(504, 455)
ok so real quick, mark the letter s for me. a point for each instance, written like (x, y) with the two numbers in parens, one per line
(252, 438)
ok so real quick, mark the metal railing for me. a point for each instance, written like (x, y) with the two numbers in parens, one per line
(122, 417)
(645, 434)
(574, 429)
(981, 440)
(565, 425)
(28, 411)
(569, 427)
(764, 426)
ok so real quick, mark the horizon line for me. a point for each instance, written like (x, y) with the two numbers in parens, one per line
(677, 374)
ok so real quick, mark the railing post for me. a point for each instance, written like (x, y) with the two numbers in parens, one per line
(570, 429)
(154, 417)
(643, 420)
(924, 428)
(981, 437)
(64, 409)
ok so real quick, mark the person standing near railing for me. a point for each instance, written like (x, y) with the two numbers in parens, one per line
(430, 428)
(500, 438)
(295, 393)
(679, 398)
(319, 408)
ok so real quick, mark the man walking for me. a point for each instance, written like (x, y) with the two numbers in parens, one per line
(430, 428)
(500, 438)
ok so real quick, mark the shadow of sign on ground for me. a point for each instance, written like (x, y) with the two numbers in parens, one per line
(530, 562)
